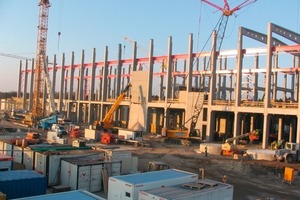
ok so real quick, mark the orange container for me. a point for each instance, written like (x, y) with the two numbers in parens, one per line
(288, 175)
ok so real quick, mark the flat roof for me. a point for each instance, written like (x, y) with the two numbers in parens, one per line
(154, 176)
(188, 189)
(70, 195)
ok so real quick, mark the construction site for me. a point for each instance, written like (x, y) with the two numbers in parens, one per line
(220, 93)
(247, 95)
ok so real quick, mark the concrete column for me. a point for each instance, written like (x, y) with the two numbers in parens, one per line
(104, 81)
(280, 128)
(223, 84)
(70, 96)
(81, 77)
(150, 73)
(255, 78)
(53, 77)
(213, 62)
(275, 74)
(252, 123)
(239, 69)
(25, 86)
(169, 72)
(134, 63)
(189, 73)
(19, 80)
(168, 77)
(267, 88)
(31, 85)
(71, 88)
(62, 82)
(218, 80)
(197, 78)
(237, 125)
(119, 72)
(91, 116)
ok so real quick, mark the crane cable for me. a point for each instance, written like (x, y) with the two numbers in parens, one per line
(59, 23)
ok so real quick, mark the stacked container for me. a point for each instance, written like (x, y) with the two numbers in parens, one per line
(128, 187)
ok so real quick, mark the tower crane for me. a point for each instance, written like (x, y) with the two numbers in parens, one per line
(41, 71)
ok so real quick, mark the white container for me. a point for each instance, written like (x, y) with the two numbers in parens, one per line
(130, 134)
(201, 189)
(129, 163)
(28, 158)
(128, 186)
(82, 174)
(18, 154)
(49, 165)
(92, 134)
(8, 149)
(5, 162)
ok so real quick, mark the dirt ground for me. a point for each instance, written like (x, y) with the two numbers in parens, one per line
(252, 180)
(255, 180)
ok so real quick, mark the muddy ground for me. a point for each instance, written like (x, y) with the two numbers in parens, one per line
(251, 179)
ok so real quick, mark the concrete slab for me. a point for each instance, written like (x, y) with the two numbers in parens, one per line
(261, 154)
(212, 148)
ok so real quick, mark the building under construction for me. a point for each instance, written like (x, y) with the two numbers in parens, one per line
(235, 91)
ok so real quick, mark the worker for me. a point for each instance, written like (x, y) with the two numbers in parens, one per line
(205, 150)
(224, 179)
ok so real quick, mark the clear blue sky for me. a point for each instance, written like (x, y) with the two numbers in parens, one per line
(88, 24)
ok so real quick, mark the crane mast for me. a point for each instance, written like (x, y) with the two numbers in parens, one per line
(40, 62)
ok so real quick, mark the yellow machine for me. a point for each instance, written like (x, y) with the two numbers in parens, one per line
(107, 121)
(228, 148)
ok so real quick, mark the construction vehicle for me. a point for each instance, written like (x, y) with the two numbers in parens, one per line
(184, 135)
(290, 153)
(228, 148)
(46, 123)
(157, 166)
(107, 121)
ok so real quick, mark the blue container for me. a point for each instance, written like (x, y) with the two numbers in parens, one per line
(72, 195)
(22, 183)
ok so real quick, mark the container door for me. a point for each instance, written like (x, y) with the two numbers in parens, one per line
(96, 183)
(18, 154)
(28, 158)
(83, 178)
(40, 163)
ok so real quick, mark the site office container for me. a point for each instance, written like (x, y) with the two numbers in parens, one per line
(74, 195)
(48, 163)
(127, 187)
(201, 189)
(6, 162)
(22, 183)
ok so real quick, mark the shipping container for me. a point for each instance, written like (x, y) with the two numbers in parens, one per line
(201, 189)
(129, 162)
(128, 186)
(82, 173)
(48, 163)
(28, 158)
(8, 149)
(6, 162)
(73, 195)
(18, 154)
(22, 183)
